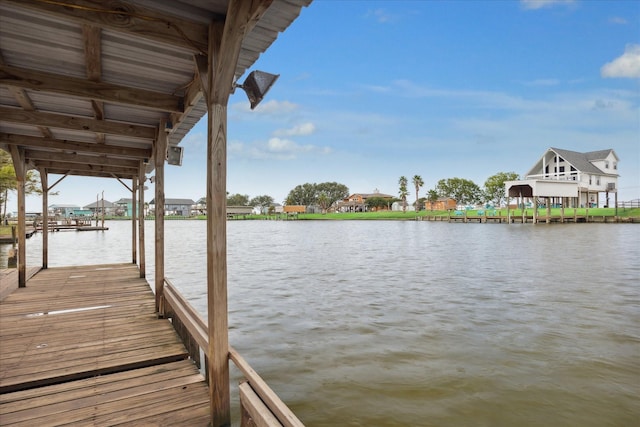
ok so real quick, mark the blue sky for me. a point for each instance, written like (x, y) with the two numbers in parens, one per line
(373, 90)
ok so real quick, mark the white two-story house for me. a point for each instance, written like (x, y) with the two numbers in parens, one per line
(570, 178)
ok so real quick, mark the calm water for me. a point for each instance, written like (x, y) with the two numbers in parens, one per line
(418, 323)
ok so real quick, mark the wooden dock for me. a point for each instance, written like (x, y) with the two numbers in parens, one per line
(83, 346)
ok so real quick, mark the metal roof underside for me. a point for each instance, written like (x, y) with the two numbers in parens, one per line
(85, 84)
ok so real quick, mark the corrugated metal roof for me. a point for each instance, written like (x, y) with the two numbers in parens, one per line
(80, 77)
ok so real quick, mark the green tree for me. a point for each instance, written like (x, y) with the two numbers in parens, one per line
(463, 191)
(417, 183)
(9, 182)
(432, 196)
(309, 194)
(403, 192)
(323, 202)
(376, 202)
(264, 202)
(494, 186)
(304, 195)
(238, 200)
(331, 192)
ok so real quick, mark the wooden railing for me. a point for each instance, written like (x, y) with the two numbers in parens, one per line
(259, 404)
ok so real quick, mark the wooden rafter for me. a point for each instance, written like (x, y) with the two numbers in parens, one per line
(57, 167)
(87, 89)
(62, 121)
(71, 146)
(242, 16)
(80, 158)
(92, 37)
(125, 17)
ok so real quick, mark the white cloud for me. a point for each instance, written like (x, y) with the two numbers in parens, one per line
(539, 4)
(382, 16)
(627, 65)
(274, 148)
(618, 20)
(298, 130)
(281, 145)
(267, 107)
(543, 82)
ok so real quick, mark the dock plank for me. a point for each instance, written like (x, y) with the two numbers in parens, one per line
(83, 345)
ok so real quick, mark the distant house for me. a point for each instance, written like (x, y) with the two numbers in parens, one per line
(570, 178)
(63, 210)
(357, 202)
(123, 207)
(178, 207)
(294, 209)
(397, 207)
(442, 204)
(99, 206)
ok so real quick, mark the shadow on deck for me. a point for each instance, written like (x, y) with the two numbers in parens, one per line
(83, 345)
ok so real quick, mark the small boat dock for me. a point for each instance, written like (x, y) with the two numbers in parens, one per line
(77, 224)
(83, 344)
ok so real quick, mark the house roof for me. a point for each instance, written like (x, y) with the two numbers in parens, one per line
(175, 202)
(580, 161)
(86, 86)
(64, 207)
(367, 195)
(100, 204)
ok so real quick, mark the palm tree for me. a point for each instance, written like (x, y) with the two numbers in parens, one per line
(417, 182)
(403, 192)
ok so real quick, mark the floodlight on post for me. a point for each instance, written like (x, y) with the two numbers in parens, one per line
(174, 155)
(256, 86)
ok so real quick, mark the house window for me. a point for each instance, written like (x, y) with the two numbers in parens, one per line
(598, 181)
(561, 168)
(560, 160)
(590, 182)
(615, 165)
(573, 169)
(606, 165)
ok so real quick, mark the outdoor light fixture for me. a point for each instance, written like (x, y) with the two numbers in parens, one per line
(174, 155)
(257, 85)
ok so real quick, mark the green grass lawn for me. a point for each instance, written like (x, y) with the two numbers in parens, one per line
(623, 213)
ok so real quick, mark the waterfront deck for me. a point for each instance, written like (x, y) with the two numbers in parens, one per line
(83, 345)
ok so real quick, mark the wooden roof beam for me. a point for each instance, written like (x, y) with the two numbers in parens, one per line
(25, 102)
(82, 169)
(80, 158)
(61, 121)
(126, 17)
(72, 146)
(87, 89)
(92, 38)
(242, 16)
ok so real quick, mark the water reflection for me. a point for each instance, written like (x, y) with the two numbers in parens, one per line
(418, 323)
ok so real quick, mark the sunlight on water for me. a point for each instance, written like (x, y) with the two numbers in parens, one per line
(417, 323)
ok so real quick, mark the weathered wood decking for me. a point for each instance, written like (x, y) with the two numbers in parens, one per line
(83, 346)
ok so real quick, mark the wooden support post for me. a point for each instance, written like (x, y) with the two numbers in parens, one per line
(134, 220)
(160, 155)
(548, 210)
(17, 154)
(217, 265)
(44, 182)
(141, 179)
(225, 42)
